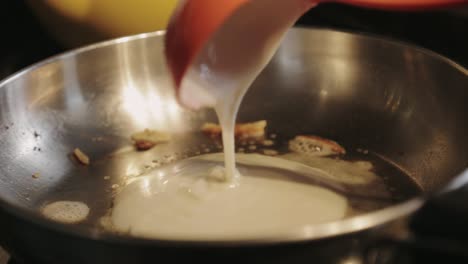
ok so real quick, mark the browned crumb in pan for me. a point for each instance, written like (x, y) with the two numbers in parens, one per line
(81, 157)
(144, 145)
(147, 139)
(242, 130)
(314, 145)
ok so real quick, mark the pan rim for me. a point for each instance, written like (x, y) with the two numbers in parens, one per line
(308, 233)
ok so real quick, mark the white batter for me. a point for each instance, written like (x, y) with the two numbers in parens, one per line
(184, 202)
(231, 61)
(66, 212)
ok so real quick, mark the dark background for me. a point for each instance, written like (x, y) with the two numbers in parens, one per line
(443, 31)
(24, 42)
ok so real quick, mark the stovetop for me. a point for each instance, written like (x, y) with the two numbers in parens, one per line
(446, 32)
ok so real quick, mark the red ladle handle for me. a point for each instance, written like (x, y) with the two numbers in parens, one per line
(401, 4)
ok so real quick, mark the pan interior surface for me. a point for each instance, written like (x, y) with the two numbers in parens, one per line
(396, 107)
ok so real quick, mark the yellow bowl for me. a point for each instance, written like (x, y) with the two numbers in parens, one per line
(79, 22)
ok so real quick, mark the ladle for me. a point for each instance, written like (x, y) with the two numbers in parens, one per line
(214, 43)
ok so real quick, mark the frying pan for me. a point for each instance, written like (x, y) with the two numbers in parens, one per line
(401, 102)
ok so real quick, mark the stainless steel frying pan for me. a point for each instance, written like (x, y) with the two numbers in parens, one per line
(406, 104)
